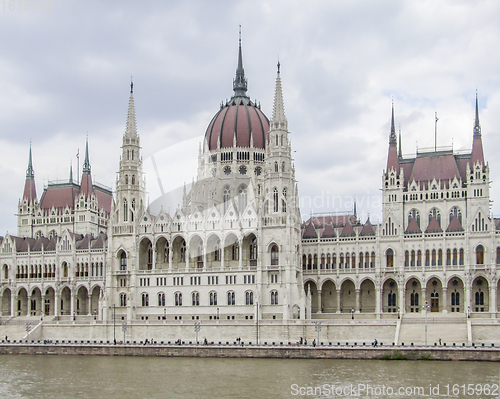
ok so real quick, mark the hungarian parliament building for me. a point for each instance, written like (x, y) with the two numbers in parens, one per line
(236, 248)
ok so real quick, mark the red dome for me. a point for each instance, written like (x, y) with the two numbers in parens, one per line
(240, 116)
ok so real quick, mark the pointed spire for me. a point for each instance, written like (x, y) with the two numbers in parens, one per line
(392, 157)
(392, 136)
(400, 152)
(477, 143)
(240, 82)
(279, 119)
(86, 163)
(131, 128)
(477, 126)
(71, 172)
(29, 185)
(30, 173)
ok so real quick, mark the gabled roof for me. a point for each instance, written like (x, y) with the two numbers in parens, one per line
(310, 232)
(328, 232)
(348, 231)
(413, 227)
(455, 225)
(59, 196)
(433, 226)
(367, 229)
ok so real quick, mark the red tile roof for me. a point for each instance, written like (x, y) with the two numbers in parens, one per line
(59, 196)
(433, 226)
(413, 227)
(310, 232)
(328, 232)
(347, 231)
(454, 225)
(367, 229)
(29, 189)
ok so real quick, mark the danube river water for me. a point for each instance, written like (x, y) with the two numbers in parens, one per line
(64, 377)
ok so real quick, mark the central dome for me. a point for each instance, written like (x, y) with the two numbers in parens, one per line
(239, 119)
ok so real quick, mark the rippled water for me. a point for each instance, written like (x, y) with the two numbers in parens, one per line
(145, 377)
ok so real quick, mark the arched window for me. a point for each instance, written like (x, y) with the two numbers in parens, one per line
(434, 213)
(276, 167)
(183, 252)
(275, 200)
(498, 255)
(427, 257)
(440, 257)
(274, 297)
(178, 299)
(274, 255)
(133, 178)
(123, 299)
(145, 299)
(407, 258)
(126, 179)
(414, 214)
(161, 299)
(304, 262)
(235, 251)
(249, 298)
(123, 261)
(455, 257)
(195, 299)
(242, 199)
(283, 167)
(213, 298)
(372, 261)
(479, 255)
(230, 298)
(390, 257)
(412, 258)
(448, 257)
(433, 259)
(253, 249)
(226, 197)
(132, 211)
(456, 212)
(125, 210)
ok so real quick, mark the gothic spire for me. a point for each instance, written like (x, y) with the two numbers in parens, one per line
(71, 172)
(279, 119)
(29, 185)
(400, 152)
(392, 137)
(86, 163)
(477, 126)
(30, 173)
(477, 143)
(131, 128)
(240, 82)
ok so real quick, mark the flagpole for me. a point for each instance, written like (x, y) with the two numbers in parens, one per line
(435, 131)
(78, 167)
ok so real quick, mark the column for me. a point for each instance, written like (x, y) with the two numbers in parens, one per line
(319, 301)
(42, 306)
(445, 300)
(13, 304)
(378, 302)
(28, 305)
(401, 301)
(358, 301)
(153, 266)
(72, 304)
(222, 252)
(204, 255)
(468, 296)
(339, 297)
(170, 255)
(56, 303)
(493, 300)
(240, 252)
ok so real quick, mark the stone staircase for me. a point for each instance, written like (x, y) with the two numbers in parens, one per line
(449, 327)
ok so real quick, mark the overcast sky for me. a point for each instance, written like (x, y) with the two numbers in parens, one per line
(65, 73)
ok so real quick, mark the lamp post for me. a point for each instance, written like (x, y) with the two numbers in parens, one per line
(426, 308)
(352, 313)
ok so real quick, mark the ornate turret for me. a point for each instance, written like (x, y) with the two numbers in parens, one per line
(240, 82)
(86, 183)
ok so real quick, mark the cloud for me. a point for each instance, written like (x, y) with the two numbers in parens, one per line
(65, 74)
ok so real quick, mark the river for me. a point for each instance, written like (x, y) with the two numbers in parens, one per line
(63, 377)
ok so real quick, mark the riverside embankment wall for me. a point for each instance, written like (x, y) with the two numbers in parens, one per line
(276, 352)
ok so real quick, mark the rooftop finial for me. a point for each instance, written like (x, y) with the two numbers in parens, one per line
(240, 82)
(279, 66)
(30, 173)
(86, 163)
(392, 137)
(131, 85)
(477, 126)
